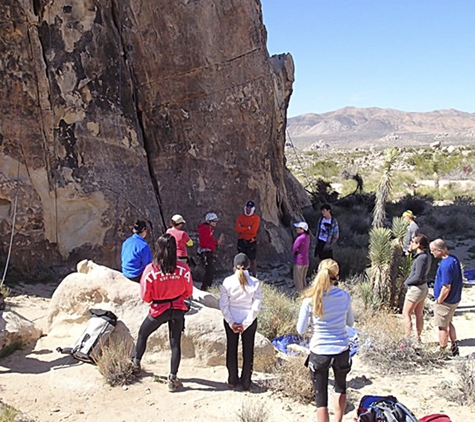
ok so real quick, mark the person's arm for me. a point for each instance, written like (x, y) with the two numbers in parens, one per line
(239, 226)
(304, 318)
(335, 233)
(224, 306)
(145, 285)
(188, 285)
(296, 245)
(255, 308)
(146, 256)
(444, 292)
(419, 266)
(187, 240)
(350, 318)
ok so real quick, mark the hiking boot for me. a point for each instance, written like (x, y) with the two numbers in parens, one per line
(136, 368)
(454, 349)
(174, 383)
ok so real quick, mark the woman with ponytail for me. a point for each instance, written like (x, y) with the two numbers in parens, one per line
(327, 309)
(240, 303)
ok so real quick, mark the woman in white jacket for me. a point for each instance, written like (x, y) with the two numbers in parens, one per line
(240, 303)
(327, 309)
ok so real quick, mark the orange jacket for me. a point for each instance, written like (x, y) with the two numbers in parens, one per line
(247, 226)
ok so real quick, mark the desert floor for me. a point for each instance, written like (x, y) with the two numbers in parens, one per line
(47, 386)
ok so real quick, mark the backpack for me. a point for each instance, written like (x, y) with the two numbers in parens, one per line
(383, 409)
(436, 417)
(98, 329)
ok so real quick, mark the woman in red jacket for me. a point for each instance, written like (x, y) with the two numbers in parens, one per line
(165, 283)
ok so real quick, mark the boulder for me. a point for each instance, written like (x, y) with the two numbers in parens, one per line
(96, 286)
(15, 328)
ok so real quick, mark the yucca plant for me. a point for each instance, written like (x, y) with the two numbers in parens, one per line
(380, 254)
(397, 272)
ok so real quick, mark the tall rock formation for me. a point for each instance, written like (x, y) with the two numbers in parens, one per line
(138, 108)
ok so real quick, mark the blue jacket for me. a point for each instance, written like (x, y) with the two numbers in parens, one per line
(136, 255)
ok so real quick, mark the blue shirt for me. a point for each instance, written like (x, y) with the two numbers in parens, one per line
(136, 255)
(449, 273)
(329, 336)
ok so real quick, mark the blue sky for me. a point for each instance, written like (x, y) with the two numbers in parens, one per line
(411, 55)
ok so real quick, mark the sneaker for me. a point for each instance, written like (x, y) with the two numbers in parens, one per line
(136, 368)
(174, 383)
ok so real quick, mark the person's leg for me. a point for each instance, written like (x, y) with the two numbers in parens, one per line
(419, 313)
(232, 341)
(341, 368)
(319, 365)
(407, 310)
(253, 268)
(149, 325)
(248, 337)
(443, 337)
(175, 328)
(209, 270)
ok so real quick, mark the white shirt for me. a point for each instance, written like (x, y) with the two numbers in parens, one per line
(324, 229)
(237, 305)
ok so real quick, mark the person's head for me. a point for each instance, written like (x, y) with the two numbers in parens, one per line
(164, 254)
(327, 274)
(241, 263)
(177, 221)
(211, 218)
(419, 242)
(438, 248)
(408, 215)
(326, 210)
(140, 228)
(301, 227)
(249, 208)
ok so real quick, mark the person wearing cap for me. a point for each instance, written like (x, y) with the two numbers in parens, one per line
(183, 241)
(136, 254)
(207, 247)
(327, 234)
(300, 252)
(247, 226)
(240, 303)
(412, 230)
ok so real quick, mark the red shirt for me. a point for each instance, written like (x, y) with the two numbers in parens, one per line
(157, 286)
(206, 236)
(182, 239)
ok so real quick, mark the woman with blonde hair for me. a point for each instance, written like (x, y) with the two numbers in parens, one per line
(240, 303)
(327, 309)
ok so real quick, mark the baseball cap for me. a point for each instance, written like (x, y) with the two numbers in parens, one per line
(250, 204)
(302, 224)
(211, 216)
(408, 213)
(241, 260)
(177, 219)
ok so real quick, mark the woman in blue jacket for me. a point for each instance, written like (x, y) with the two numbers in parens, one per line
(327, 309)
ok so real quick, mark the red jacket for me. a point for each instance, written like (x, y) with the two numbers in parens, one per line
(157, 286)
(206, 236)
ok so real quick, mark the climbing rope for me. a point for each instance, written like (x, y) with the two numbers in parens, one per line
(309, 182)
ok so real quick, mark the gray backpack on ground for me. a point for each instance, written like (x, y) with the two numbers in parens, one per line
(97, 331)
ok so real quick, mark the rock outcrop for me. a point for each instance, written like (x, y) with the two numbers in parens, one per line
(113, 111)
(96, 286)
(15, 328)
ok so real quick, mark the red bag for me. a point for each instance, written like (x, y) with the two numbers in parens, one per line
(436, 417)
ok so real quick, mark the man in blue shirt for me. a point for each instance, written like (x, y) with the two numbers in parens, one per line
(136, 254)
(447, 293)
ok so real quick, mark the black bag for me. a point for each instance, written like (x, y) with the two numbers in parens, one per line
(97, 331)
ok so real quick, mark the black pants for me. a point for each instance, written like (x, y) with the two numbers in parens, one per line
(176, 324)
(247, 354)
(319, 366)
(323, 254)
(248, 248)
(208, 263)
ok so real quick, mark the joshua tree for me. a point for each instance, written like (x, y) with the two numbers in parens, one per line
(436, 168)
(384, 188)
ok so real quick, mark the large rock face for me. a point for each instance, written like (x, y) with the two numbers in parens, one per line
(142, 108)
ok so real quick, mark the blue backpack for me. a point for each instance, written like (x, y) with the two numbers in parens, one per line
(383, 409)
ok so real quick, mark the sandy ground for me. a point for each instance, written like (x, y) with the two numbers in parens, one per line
(47, 386)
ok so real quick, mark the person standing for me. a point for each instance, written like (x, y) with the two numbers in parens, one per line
(183, 241)
(207, 247)
(300, 252)
(416, 283)
(247, 226)
(165, 284)
(136, 254)
(447, 293)
(240, 303)
(412, 230)
(327, 233)
(328, 310)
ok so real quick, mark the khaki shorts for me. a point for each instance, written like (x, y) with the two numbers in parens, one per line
(415, 294)
(443, 314)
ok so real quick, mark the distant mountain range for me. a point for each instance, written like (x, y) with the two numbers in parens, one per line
(352, 127)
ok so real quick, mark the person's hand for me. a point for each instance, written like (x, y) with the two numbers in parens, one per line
(221, 239)
(237, 328)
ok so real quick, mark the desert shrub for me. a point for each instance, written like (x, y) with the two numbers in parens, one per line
(5, 291)
(292, 379)
(279, 313)
(253, 412)
(462, 391)
(383, 346)
(11, 348)
(7, 413)
(417, 204)
(453, 222)
(351, 260)
(114, 361)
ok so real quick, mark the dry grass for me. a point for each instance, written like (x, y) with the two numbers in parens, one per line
(253, 411)
(114, 361)
(8, 414)
(462, 391)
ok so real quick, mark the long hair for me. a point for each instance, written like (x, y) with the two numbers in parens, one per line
(422, 240)
(241, 275)
(328, 271)
(164, 254)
